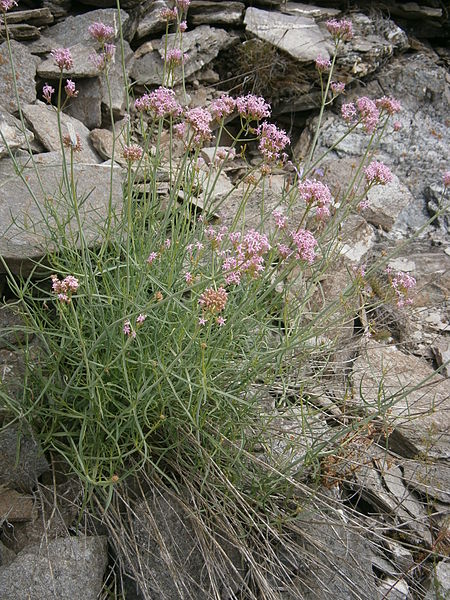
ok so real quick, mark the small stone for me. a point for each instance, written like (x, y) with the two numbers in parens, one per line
(83, 66)
(15, 507)
(440, 582)
(393, 588)
(204, 12)
(152, 23)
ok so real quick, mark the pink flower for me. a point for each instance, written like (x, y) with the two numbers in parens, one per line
(402, 283)
(188, 277)
(175, 57)
(101, 32)
(161, 102)
(222, 107)
(202, 321)
(65, 288)
(47, 92)
(140, 319)
(152, 257)
(183, 4)
(252, 108)
(7, 4)
(280, 219)
(168, 14)
(70, 89)
(377, 173)
(340, 30)
(127, 327)
(322, 64)
(199, 119)
(284, 251)
(132, 153)
(63, 58)
(390, 105)
(368, 113)
(180, 130)
(446, 178)
(337, 87)
(220, 321)
(167, 243)
(272, 141)
(213, 301)
(348, 112)
(305, 243)
(397, 126)
(182, 26)
(314, 192)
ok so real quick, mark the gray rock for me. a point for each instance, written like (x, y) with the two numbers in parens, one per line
(431, 478)
(102, 139)
(386, 203)
(22, 461)
(43, 121)
(74, 29)
(202, 45)
(64, 568)
(11, 326)
(21, 32)
(86, 107)
(36, 16)
(58, 8)
(151, 23)
(440, 582)
(25, 65)
(15, 507)
(6, 555)
(417, 399)
(82, 64)
(171, 561)
(24, 235)
(392, 588)
(436, 205)
(11, 134)
(318, 13)
(299, 36)
(441, 352)
(205, 12)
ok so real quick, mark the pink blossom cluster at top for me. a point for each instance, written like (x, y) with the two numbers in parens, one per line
(402, 283)
(272, 141)
(365, 110)
(183, 4)
(70, 89)
(213, 301)
(199, 119)
(340, 30)
(65, 288)
(337, 87)
(388, 104)
(182, 26)
(63, 58)
(252, 108)
(101, 32)
(7, 4)
(280, 219)
(47, 92)
(222, 107)
(161, 103)
(132, 153)
(216, 236)
(248, 256)
(169, 14)
(377, 173)
(322, 64)
(316, 193)
(305, 244)
(446, 178)
(175, 56)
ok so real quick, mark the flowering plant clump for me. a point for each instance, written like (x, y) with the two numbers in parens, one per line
(101, 32)
(272, 141)
(402, 283)
(65, 288)
(316, 193)
(63, 58)
(161, 103)
(377, 173)
(252, 108)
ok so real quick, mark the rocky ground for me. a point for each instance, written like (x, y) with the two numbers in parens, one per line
(403, 496)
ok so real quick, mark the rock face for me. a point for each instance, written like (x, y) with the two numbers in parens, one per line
(71, 567)
(22, 228)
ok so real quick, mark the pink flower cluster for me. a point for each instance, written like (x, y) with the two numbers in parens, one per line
(65, 288)
(446, 178)
(388, 104)
(102, 60)
(169, 14)
(340, 30)
(402, 283)
(7, 4)
(199, 120)
(222, 107)
(47, 92)
(316, 193)
(252, 108)
(183, 4)
(101, 32)
(322, 64)
(175, 57)
(213, 301)
(365, 110)
(272, 141)
(377, 173)
(215, 236)
(248, 256)
(161, 103)
(132, 153)
(305, 244)
(70, 89)
(128, 329)
(280, 219)
(63, 58)
(337, 87)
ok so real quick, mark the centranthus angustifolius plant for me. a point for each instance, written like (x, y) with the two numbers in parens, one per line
(157, 344)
